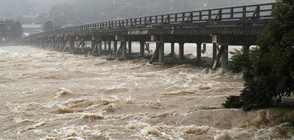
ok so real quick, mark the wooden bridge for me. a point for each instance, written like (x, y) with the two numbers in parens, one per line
(238, 25)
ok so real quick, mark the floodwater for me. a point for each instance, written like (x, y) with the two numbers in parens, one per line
(51, 95)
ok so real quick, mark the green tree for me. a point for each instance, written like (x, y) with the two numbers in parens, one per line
(271, 73)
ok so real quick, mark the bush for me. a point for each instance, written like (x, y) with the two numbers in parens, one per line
(233, 102)
(239, 61)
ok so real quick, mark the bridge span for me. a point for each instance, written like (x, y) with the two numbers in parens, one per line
(237, 25)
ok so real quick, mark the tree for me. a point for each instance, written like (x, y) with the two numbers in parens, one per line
(271, 73)
(10, 30)
(48, 26)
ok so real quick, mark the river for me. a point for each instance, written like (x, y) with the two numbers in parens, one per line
(51, 95)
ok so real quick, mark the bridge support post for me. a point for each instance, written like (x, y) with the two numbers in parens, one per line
(225, 56)
(93, 47)
(130, 47)
(214, 50)
(54, 44)
(246, 49)
(198, 51)
(124, 49)
(71, 44)
(161, 52)
(83, 46)
(172, 49)
(105, 45)
(109, 46)
(181, 51)
(204, 48)
(99, 47)
(64, 45)
(142, 43)
(49, 45)
(45, 44)
(115, 46)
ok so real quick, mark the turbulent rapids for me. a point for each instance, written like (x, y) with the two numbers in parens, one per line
(52, 95)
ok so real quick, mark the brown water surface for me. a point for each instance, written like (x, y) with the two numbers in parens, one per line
(53, 95)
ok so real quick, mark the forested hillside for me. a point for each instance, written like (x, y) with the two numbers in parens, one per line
(28, 11)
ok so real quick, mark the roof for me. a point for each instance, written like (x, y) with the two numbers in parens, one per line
(32, 26)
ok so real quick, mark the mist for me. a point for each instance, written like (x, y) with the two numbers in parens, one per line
(74, 12)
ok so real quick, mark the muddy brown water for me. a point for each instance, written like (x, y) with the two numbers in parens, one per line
(51, 95)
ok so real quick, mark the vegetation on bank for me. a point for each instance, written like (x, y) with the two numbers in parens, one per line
(270, 69)
(10, 30)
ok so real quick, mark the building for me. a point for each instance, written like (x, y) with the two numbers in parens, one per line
(29, 29)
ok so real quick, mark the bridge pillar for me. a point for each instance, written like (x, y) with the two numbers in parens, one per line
(49, 44)
(105, 45)
(214, 51)
(54, 44)
(204, 48)
(130, 47)
(109, 46)
(64, 45)
(93, 47)
(161, 52)
(83, 46)
(172, 49)
(142, 43)
(99, 47)
(124, 49)
(225, 56)
(115, 46)
(181, 51)
(198, 51)
(246, 49)
(44, 44)
(71, 44)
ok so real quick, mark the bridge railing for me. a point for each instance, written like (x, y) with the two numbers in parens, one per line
(220, 14)
(249, 12)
